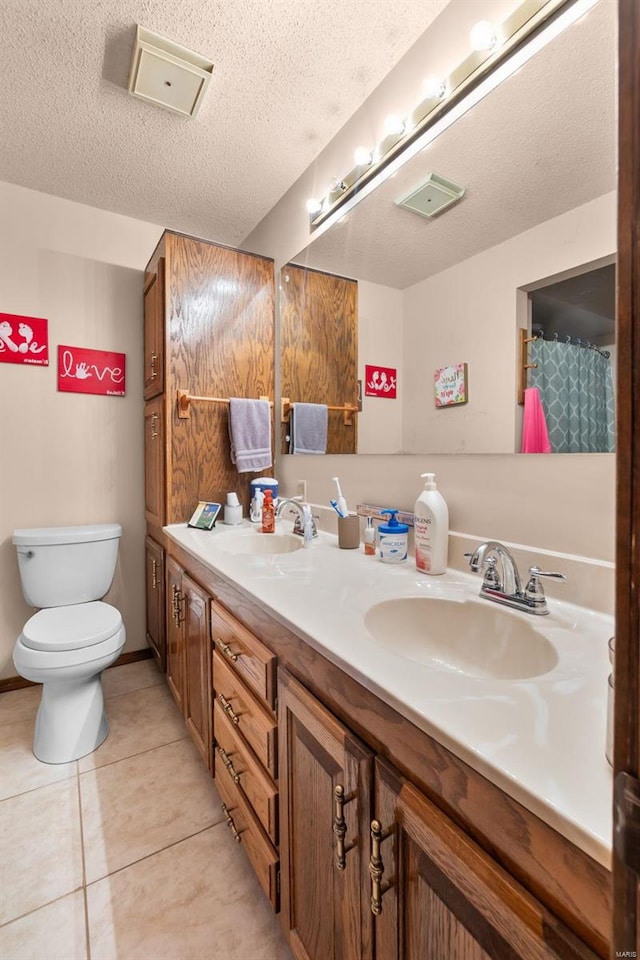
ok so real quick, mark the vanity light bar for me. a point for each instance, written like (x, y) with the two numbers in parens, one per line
(526, 31)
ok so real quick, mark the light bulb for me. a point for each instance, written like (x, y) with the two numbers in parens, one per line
(434, 88)
(362, 156)
(313, 205)
(483, 36)
(393, 124)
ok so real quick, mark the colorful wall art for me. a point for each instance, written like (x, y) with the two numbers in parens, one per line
(451, 385)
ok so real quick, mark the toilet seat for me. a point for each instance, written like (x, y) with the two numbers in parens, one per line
(71, 627)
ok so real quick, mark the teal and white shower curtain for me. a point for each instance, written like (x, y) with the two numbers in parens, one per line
(576, 390)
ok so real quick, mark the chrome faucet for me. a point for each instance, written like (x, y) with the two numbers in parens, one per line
(504, 585)
(304, 524)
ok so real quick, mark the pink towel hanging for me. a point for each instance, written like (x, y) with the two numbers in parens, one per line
(535, 437)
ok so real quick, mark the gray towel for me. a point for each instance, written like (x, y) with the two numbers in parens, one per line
(308, 428)
(250, 434)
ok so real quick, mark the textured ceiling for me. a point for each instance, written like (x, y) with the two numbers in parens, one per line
(538, 145)
(287, 75)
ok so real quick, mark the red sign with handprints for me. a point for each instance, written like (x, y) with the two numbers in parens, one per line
(24, 340)
(380, 382)
(91, 371)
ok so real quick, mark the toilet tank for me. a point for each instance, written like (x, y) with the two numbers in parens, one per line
(64, 565)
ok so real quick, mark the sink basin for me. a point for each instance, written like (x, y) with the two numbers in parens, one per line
(472, 637)
(254, 543)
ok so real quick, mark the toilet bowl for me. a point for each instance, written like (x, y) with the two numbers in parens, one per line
(66, 649)
(68, 643)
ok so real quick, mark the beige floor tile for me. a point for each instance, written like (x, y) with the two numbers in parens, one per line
(17, 705)
(57, 932)
(198, 900)
(138, 721)
(138, 806)
(19, 769)
(131, 676)
(41, 848)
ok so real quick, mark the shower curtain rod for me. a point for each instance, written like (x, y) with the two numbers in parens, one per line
(576, 341)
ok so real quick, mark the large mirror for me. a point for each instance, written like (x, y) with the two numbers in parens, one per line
(536, 159)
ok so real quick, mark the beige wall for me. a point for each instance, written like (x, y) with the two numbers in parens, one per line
(380, 337)
(468, 313)
(562, 504)
(72, 458)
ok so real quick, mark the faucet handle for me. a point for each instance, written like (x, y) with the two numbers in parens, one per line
(491, 578)
(533, 590)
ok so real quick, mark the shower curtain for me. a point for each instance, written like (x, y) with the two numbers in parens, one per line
(576, 389)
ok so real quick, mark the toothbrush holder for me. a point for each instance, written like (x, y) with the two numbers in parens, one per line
(349, 532)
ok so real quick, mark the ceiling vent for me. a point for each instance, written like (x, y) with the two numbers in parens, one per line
(164, 73)
(432, 197)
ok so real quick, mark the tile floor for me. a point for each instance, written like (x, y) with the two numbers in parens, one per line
(123, 854)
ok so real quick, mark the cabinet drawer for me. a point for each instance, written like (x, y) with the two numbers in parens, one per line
(234, 758)
(255, 723)
(248, 655)
(240, 817)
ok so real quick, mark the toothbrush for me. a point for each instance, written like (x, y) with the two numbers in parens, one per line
(341, 502)
(334, 504)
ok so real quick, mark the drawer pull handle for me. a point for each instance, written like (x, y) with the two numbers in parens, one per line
(376, 867)
(228, 709)
(228, 762)
(340, 827)
(234, 832)
(154, 574)
(226, 649)
(176, 600)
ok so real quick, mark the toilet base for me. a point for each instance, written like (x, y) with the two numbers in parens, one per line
(71, 720)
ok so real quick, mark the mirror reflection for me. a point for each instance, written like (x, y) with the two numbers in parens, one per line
(445, 296)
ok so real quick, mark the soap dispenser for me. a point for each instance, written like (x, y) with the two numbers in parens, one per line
(431, 528)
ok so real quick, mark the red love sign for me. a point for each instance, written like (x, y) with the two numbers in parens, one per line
(81, 370)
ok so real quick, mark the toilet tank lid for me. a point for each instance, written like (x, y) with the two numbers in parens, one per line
(41, 536)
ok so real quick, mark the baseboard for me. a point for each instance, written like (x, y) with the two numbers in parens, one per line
(17, 683)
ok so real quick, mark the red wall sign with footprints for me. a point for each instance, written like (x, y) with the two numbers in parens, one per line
(380, 381)
(24, 340)
(81, 370)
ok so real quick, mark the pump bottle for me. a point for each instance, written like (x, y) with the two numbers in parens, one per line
(431, 529)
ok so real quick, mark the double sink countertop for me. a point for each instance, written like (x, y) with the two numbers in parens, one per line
(540, 739)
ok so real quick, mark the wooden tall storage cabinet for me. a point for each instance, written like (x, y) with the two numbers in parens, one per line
(209, 329)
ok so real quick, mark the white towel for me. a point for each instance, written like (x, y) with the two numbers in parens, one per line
(250, 434)
(308, 428)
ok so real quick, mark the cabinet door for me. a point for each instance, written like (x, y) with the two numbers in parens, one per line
(175, 633)
(154, 443)
(324, 899)
(197, 643)
(437, 895)
(155, 600)
(154, 332)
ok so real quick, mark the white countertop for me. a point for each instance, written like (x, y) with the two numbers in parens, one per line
(541, 740)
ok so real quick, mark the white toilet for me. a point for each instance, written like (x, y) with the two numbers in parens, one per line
(68, 644)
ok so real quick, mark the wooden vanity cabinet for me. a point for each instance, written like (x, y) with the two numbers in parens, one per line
(325, 801)
(154, 331)
(155, 497)
(245, 743)
(436, 894)
(386, 875)
(465, 871)
(189, 655)
(154, 576)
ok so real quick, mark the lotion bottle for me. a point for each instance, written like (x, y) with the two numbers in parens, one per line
(431, 529)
